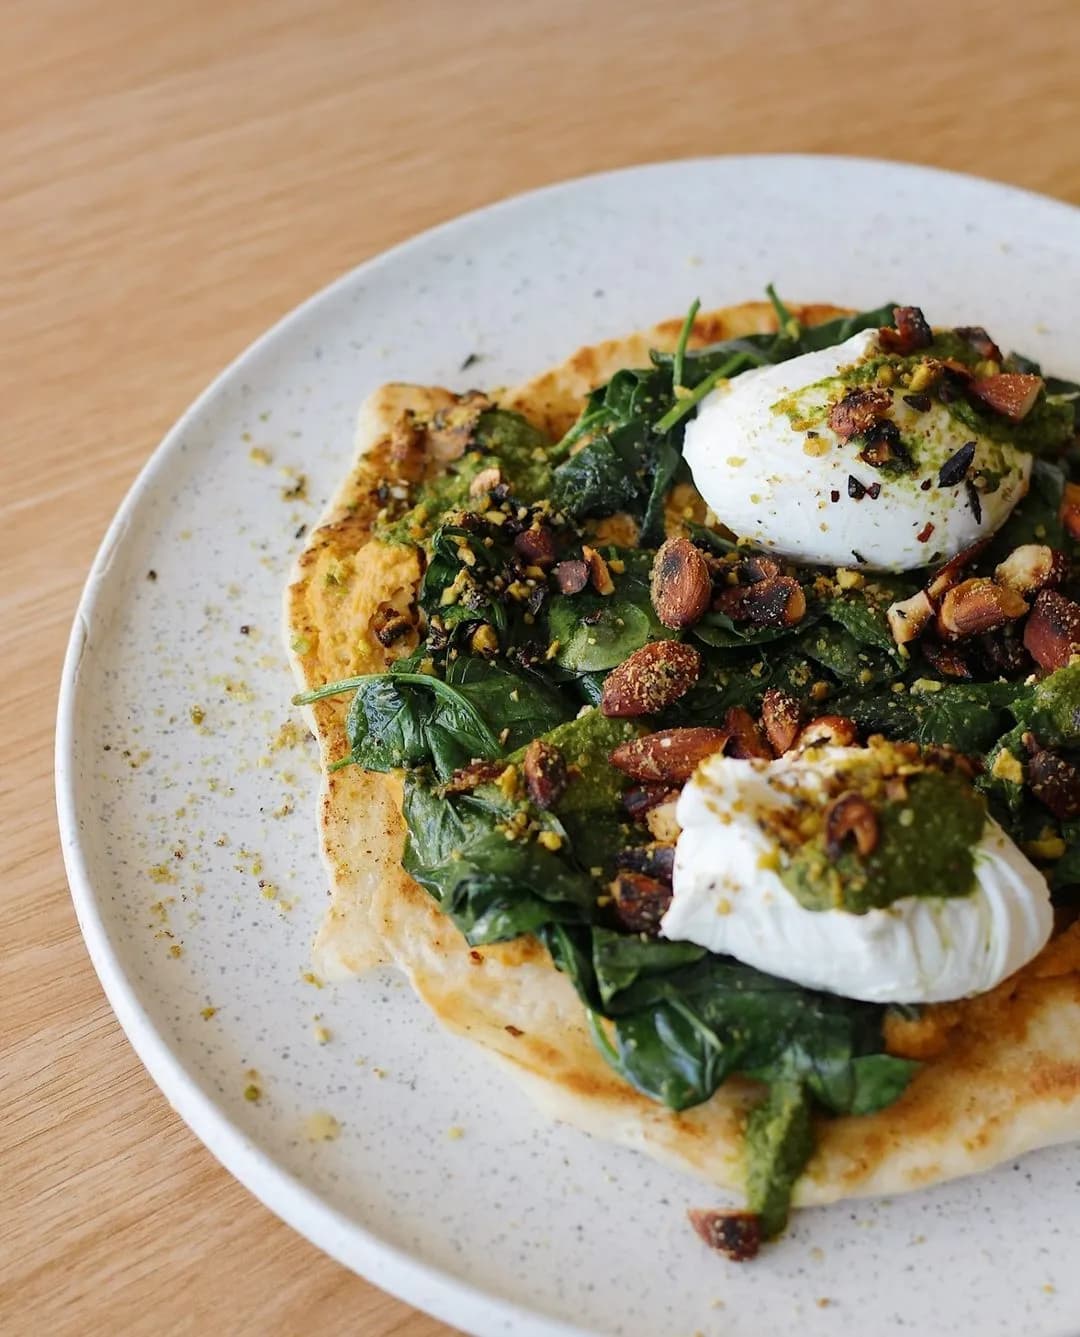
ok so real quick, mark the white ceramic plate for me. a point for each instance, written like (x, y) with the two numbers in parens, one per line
(191, 846)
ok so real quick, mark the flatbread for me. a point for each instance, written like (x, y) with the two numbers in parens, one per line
(1002, 1075)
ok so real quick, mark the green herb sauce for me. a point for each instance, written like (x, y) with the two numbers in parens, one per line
(501, 440)
(925, 848)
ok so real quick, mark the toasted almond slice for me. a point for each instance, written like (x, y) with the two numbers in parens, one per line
(640, 901)
(639, 800)
(652, 678)
(1070, 510)
(858, 410)
(680, 585)
(737, 1235)
(909, 617)
(776, 602)
(484, 481)
(1011, 394)
(851, 815)
(827, 731)
(599, 575)
(781, 716)
(1032, 567)
(546, 775)
(746, 740)
(977, 605)
(980, 341)
(1055, 782)
(1052, 632)
(663, 822)
(670, 756)
(912, 331)
(949, 575)
(946, 659)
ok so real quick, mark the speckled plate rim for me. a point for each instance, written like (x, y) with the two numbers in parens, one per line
(354, 1246)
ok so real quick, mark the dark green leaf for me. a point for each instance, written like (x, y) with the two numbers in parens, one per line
(879, 1080)
(717, 629)
(848, 658)
(523, 704)
(1066, 870)
(621, 960)
(666, 466)
(492, 887)
(967, 716)
(594, 482)
(862, 612)
(407, 719)
(597, 632)
(707, 1020)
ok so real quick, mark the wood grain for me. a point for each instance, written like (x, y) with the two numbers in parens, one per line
(174, 178)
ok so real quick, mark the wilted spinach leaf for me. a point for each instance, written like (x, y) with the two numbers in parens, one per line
(407, 719)
(847, 657)
(863, 613)
(721, 631)
(707, 1020)
(476, 602)
(625, 462)
(624, 960)
(597, 632)
(967, 716)
(492, 887)
(595, 481)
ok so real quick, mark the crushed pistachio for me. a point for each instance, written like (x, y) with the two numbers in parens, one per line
(1007, 767)
(321, 1126)
(849, 580)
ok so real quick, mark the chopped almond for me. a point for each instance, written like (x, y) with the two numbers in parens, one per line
(1010, 394)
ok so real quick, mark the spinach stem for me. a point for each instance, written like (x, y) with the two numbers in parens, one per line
(680, 347)
(682, 407)
(333, 689)
(787, 322)
(581, 428)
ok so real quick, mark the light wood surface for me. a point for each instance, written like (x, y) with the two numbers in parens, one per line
(173, 177)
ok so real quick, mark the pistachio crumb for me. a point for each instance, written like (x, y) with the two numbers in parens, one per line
(1007, 767)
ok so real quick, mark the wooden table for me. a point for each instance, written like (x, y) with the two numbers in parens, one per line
(174, 178)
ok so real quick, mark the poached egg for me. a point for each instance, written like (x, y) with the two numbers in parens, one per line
(730, 898)
(767, 462)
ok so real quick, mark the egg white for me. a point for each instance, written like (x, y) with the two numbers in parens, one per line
(788, 492)
(921, 949)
